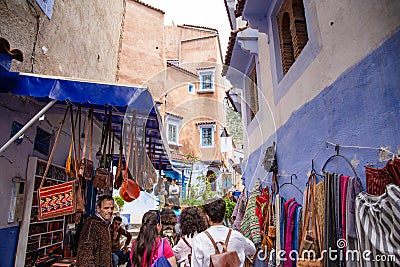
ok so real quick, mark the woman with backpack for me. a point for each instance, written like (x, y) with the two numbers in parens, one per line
(148, 249)
(192, 223)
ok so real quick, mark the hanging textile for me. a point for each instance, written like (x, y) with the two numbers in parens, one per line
(297, 228)
(238, 211)
(379, 178)
(377, 224)
(278, 201)
(354, 187)
(343, 200)
(250, 226)
(330, 237)
(282, 224)
(337, 206)
(262, 201)
(311, 238)
(320, 205)
(290, 233)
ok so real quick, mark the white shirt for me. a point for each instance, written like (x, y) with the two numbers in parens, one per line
(203, 247)
(174, 190)
(181, 249)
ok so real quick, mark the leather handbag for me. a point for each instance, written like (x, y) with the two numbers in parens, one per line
(311, 238)
(224, 257)
(101, 177)
(129, 190)
(56, 200)
(86, 165)
(80, 199)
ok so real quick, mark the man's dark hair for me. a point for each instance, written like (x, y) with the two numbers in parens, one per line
(103, 198)
(215, 209)
(117, 218)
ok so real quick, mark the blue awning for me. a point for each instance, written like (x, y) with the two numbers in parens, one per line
(173, 175)
(121, 99)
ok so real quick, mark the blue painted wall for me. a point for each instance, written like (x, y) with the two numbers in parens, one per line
(361, 108)
(8, 245)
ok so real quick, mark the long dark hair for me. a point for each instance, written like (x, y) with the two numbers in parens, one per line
(192, 221)
(146, 238)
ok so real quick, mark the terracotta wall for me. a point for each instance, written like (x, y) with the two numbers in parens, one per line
(81, 39)
(142, 52)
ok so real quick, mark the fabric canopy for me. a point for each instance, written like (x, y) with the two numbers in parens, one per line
(121, 99)
(173, 175)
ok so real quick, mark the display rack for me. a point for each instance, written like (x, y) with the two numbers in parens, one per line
(40, 238)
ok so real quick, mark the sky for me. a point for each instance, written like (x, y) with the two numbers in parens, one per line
(206, 13)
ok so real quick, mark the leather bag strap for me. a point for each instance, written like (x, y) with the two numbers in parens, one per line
(79, 131)
(110, 135)
(224, 245)
(91, 132)
(105, 136)
(227, 237)
(187, 243)
(120, 152)
(109, 132)
(77, 139)
(129, 144)
(86, 136)
(103, 129)
(73, 142)
(213, 242)
(54, 148)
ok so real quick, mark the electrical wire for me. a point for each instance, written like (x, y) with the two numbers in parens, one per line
(37, 15)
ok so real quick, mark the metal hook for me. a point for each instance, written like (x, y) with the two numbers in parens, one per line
(291, 177)
(337, 149)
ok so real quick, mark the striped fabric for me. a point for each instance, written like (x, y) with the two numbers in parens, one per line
(353, 189)
(378, 227)
(250, 226)
(378, 178)
(330, 237)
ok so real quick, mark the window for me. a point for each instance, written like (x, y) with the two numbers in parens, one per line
(292, 29)
(190, 88)
(206, 130)
(206, 80)
(253, 92)
(15, 129)
(172, 133)
(206, 137)
(173, 123)
(42, 141)
(173, 62)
